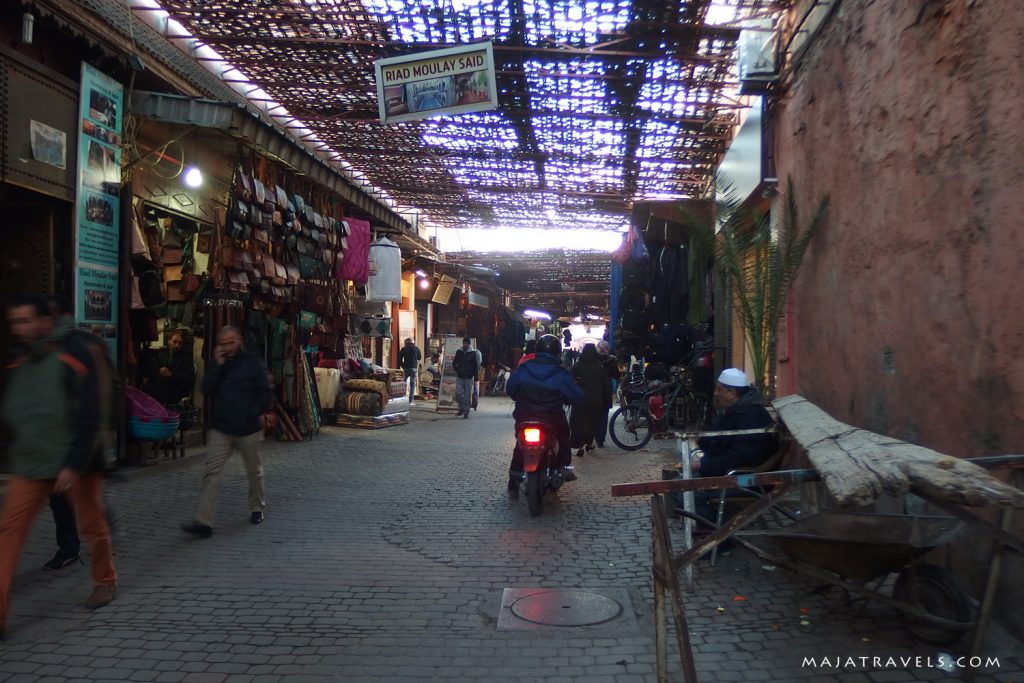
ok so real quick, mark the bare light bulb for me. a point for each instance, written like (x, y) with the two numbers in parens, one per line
(424, 284)
(193, 177)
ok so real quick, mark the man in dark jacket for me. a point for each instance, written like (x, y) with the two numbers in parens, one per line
(741, 408)
(467, 372)
(409, 359)
(52, 406)
(238, 388)
(174, 373)
(540, 387)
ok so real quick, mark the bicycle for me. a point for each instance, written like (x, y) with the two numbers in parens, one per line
(633, 425)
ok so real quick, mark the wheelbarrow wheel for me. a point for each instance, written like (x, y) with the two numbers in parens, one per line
(935, 591)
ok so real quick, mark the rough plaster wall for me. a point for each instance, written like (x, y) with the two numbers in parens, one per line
(909, 316)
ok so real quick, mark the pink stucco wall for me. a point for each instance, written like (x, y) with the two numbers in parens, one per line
(909, 314)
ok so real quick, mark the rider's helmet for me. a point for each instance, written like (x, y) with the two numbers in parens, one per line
(549, 343)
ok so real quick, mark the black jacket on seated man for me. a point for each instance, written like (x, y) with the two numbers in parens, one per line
(725, 453)
(240, 391)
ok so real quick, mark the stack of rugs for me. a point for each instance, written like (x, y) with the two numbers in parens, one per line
(372, 404)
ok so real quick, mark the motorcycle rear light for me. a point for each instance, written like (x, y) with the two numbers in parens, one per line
(704, 361)
(531, 435)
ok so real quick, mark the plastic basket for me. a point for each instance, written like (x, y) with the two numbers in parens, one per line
(141, 404)
(152, 428)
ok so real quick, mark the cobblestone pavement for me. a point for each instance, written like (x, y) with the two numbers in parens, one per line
(383, 558)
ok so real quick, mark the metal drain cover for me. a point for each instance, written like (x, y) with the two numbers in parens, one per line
(566, 607)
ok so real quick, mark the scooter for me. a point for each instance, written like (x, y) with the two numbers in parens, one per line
(497, 387)
(539, 446)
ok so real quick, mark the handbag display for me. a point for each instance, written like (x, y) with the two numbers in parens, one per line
(203, 243)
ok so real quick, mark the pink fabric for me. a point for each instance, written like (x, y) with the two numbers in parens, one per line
(356, 264)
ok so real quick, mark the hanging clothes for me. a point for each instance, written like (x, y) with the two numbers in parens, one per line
(355, 265)
(385, 281)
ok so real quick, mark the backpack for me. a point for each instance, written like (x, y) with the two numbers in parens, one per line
(109, 391)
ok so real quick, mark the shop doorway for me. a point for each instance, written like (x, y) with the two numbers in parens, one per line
(35, 256)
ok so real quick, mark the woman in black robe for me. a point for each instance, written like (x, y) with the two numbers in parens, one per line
(586, 419)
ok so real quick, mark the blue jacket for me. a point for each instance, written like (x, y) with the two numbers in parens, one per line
(543, 385)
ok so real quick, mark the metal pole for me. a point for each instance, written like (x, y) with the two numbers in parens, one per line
(687, 471)
(657, 563)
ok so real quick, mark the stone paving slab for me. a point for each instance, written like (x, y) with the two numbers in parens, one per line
(384, 557)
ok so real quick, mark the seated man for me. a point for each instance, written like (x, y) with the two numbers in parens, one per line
(740, 407)
(540, 387)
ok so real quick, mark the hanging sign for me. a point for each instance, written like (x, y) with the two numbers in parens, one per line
(98, 205)
(450, 81)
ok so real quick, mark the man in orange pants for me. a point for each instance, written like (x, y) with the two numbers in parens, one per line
(52, 406)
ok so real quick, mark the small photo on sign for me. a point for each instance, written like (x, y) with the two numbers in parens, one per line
(102, 109)
(433, 93)
(473, 87)
(97, 306)
(395, 97)
(100, 133)
(99, 209)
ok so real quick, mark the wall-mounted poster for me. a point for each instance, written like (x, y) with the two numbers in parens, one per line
(49, 145)
(450, 81)
(98, 205)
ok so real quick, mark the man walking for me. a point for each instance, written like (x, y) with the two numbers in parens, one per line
(52, 406)
(409, 359)
(467, 371)
(237, 386)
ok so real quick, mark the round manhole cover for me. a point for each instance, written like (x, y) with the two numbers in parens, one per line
(566, 608)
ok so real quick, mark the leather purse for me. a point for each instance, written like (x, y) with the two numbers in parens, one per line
(281, 275)
(174, 293)
(260, 193)
(248, 261)
(305, 247)
(203, 243)
(277, 218)
(240, 209)
(294, 275)
(261, 235)
(172, 273)
(171, 255)
(280, 196)
(230, 256)
(267, 266)
(238, 280)
(243, 184)
(190, 284)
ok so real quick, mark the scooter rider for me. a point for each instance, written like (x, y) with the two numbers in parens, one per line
(540, 387)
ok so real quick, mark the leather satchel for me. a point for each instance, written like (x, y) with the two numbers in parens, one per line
(281, 275)
(305, 247)
(261, 235)
(261, 191)
(294, 274)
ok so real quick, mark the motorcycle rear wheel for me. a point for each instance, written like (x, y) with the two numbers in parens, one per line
(630, 428)
(534, 493)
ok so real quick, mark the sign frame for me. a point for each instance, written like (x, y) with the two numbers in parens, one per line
(441, 75)
(97, 225)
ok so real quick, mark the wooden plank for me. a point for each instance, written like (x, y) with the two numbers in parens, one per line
(714, 483)
(857, 466)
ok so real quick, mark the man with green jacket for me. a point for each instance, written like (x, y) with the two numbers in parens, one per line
(51, 406)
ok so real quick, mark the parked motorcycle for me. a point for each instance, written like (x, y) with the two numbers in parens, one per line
(539, 445)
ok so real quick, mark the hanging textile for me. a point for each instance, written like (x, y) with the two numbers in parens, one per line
(355, 265)
(385, 281)
(307, 403)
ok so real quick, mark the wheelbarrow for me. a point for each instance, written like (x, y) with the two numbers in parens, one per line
(850, 550)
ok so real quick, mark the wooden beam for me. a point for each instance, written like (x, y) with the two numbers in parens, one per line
(857, 466)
